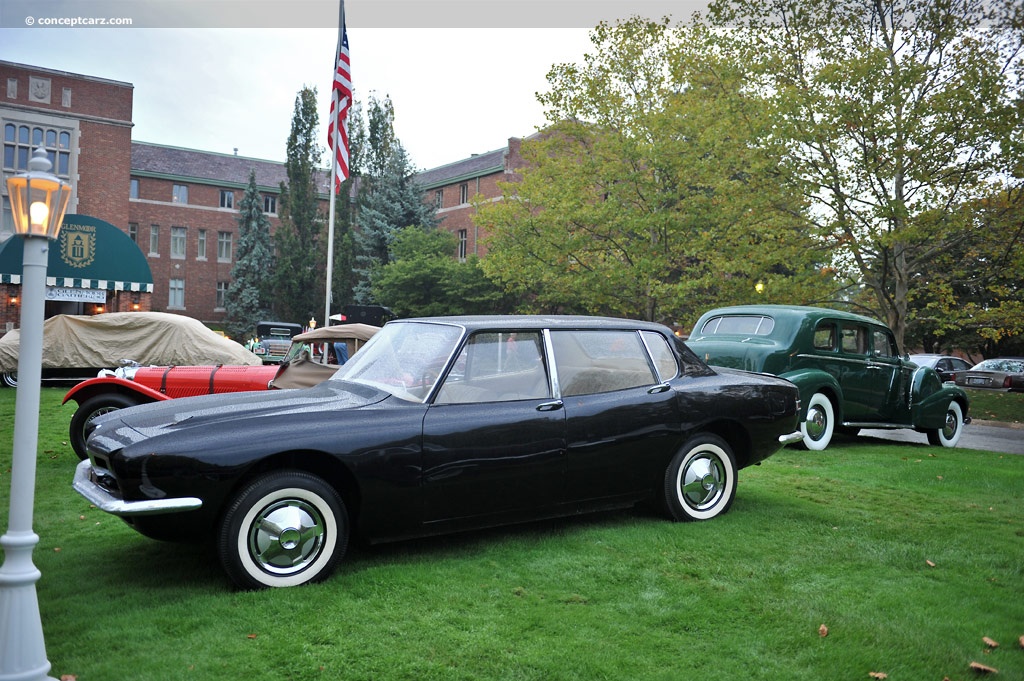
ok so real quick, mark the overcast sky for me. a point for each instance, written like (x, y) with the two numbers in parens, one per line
(226, 82)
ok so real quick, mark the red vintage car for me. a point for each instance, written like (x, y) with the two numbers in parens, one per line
(313, 357)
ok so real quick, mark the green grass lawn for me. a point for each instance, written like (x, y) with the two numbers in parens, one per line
(990, 405)
(908, 554)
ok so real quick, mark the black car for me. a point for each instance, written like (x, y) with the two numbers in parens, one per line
(439, 425)
(946, 366)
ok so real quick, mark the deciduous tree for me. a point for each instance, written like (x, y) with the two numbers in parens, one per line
(895, 113)
(648, 195)
(423, 279)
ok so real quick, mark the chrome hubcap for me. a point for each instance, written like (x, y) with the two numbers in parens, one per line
(286, 536)
(816, 423)
(950, 428)
(702, 482)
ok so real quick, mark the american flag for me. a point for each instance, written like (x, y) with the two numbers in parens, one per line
(341, 102)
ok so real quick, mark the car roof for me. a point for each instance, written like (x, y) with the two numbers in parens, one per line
(791, 312)
(478, 322)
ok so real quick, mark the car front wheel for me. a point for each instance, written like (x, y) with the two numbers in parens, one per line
(9, 379)
(817, 428)
(284, 529)
(700, 482)
(81, 421)
(949, 434)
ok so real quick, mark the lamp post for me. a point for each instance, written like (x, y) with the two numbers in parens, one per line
(38, 201)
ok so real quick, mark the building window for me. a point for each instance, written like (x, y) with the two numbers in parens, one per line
(177, 242)
(222, 292)
(464, 193)
(21, 140)
(133, 189)
(438, 199)
(463, 240)
(154, 240)
(201, 245)
(176, 294)
(270, 204)
(227, 198)
(6, 221)
(133, 231)
(224, 246)
(180, 193)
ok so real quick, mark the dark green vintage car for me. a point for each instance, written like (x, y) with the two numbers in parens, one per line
(850, 372)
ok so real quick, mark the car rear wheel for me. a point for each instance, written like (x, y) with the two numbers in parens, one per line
(817, 428)
(949, 434)
(81, 421)
(700, 482)
(284, 529)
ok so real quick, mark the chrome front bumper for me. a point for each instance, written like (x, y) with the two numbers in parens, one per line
(105, 501)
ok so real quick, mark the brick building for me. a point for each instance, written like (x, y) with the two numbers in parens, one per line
(183, 215)
(452, 187)
(176, 206)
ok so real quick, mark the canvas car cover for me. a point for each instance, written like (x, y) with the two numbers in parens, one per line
(103, 340)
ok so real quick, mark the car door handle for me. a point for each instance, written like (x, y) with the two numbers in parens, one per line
(660, 388)
(550, 406)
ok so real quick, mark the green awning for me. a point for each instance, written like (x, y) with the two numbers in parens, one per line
(89, 253)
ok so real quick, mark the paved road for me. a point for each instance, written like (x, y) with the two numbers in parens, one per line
(977, 435)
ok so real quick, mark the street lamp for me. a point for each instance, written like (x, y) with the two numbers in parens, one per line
(38, 201)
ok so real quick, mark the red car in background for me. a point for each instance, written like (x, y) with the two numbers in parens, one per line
(314, 357)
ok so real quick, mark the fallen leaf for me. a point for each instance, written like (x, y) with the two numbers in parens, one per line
(982, 669)
(823, 631)
(252, 636)
(929, 563)
(68, 677)
(989, 642)
(1021, 641)
(56, 549)
(878, 675)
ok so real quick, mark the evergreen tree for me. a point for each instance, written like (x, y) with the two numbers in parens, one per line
(246, 299)
(299, 240)
(389, 199)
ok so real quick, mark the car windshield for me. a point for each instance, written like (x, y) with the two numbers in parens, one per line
(404, 358)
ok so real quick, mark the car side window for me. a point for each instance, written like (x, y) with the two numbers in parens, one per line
(883, 344)
(497, 367)
(854, 340)
(661, 353)
(591, 362)
(825, 336)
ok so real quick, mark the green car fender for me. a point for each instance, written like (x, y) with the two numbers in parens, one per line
(930, 399)
(811, 381)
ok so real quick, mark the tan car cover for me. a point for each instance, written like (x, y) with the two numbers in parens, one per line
(103, 340)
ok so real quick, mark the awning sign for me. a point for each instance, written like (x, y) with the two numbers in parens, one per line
(80, 295)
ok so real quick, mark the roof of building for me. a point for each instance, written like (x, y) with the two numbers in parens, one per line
(210, 168)
(476, 165)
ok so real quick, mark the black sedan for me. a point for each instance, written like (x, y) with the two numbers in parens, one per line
(946, 366)
(439, 425)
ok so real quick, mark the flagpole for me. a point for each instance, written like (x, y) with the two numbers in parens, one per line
(334, 175)
(330, 229)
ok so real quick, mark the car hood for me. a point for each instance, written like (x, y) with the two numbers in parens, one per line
(146, 421)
